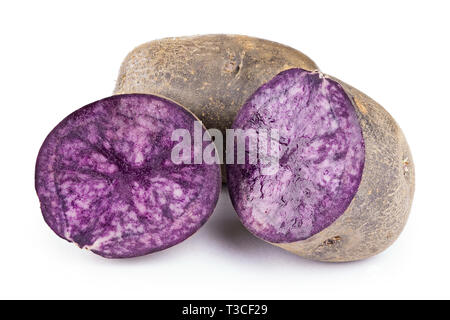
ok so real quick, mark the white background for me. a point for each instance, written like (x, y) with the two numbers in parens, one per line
(56, 57)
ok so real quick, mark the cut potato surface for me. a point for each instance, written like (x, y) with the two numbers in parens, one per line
(106, 182)
(321, 157)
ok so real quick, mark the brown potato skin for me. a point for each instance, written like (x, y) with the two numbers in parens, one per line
(212, 75)
(379, 211)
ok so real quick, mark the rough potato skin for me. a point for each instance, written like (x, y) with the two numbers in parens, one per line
(379, 211)
(212, 75)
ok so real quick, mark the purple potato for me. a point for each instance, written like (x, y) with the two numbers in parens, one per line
(105, 179)
(345, 180)
(212, 75)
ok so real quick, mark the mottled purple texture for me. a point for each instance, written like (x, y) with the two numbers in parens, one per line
(321, 157)
(105, 178)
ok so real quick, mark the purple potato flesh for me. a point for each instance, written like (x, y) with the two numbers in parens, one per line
(106, 182)
(321, 157)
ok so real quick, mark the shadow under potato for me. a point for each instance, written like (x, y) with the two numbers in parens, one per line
(225, 228)
(225, 233)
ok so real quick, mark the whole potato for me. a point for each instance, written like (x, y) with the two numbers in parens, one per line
(345, 182)
(212, 75)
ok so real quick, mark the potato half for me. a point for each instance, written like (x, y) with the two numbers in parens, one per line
(106, 180)
(345, 180)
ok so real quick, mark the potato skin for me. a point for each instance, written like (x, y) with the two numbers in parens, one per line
(379, 211)
(212, 75)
